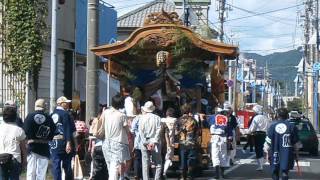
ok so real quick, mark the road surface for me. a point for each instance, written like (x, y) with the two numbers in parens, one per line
(245, 169)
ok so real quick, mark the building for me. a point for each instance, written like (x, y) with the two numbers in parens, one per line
(71, 53)
(65, 59)
(198, 17)
(107, 33)
(255, 84)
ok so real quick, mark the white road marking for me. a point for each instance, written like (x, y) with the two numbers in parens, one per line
(237, 165)
(301, 163)
(251, 160)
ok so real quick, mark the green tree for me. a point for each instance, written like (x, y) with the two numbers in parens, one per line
(295, 105)
(25, 33)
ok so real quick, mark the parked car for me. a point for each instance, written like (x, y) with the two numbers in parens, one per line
(307, 135)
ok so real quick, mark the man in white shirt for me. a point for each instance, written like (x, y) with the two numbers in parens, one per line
(12, 145)
(170, 122)
(137, 164)
(130, 111)
(258, 127)
(116, 146)
(149, 131)
(129, 105)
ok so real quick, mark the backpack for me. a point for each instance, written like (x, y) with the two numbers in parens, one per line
(97, 127)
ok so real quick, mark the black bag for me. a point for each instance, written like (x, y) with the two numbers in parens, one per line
(5, 158)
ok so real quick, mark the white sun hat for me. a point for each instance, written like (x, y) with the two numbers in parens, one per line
(148, 107)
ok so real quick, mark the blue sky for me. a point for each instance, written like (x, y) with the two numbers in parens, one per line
(263, 34)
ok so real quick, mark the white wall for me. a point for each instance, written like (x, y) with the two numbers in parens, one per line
(103, 81)
(44, 76)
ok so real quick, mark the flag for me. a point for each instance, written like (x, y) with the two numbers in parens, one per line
(240, 74)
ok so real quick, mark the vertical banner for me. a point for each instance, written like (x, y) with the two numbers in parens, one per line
(315, 99)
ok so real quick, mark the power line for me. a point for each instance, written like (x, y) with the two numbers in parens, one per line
(269, 36)
(130, 5)
(258, 14)
(251, 28)
(255, 13)
(264, 37)
(252, 50)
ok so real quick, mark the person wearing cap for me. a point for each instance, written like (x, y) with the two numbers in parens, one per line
(258, 127)
(12, 104)
(12, 145)
(39, 128)
(61, 147)
(294, 115)
(149, 130)
(221, 138)
(282, 145)
(116, 145)
(188, 132)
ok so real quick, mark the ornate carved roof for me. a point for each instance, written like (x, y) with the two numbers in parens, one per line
(163, 31)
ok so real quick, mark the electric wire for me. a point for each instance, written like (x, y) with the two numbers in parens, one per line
(279, 19)
(258, 14)
(130, 5)
(272, 49)
(209, 22)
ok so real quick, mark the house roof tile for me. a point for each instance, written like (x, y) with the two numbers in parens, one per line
(136, 17)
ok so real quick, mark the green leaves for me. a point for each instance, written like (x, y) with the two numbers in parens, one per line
(25, 34)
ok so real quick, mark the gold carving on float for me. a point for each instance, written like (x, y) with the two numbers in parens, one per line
(161, 40)
(162, 18)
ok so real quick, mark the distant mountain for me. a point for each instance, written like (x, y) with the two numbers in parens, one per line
(281, 65)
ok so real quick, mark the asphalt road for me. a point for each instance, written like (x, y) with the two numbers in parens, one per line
(245, 169)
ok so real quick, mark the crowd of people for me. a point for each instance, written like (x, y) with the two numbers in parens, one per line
(123, 138)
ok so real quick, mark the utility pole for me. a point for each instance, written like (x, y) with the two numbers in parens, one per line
(255, 78)
(243, 83)
(53, 57)
(222, 6)
(186, 13)
(264, 85)
(229, 79)
(279, 95)
(92, 91)
(316, 72)
(306, 56)
(235, 83)
(286, 90)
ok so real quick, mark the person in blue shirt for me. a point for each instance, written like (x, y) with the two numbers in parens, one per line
(221, 138)
(39, 128)
(281, 145)
(61, 147)
(137, 151)
(233, 123)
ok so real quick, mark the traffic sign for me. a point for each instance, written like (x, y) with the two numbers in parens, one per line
(252, 84)
(316, 66)
(230, 83)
